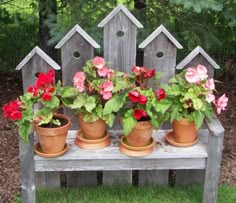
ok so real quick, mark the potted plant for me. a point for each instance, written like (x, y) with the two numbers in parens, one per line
(191, 93)
(39, 108)
(93, 87)
(141, 108)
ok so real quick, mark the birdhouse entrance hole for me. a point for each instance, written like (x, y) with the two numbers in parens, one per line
(120, 33)
(36, 74)
(159, 54)
(76, 55)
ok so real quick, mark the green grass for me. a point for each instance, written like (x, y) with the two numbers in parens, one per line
(129, 194)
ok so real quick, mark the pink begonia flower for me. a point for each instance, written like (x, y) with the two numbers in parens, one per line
(210, 97)
(98, 62)
(106, 90)
(192, 76)
(210, 84)
(221, 103)
(107, 86)
(202, 72)
(110, 74)
(79, 79)
(107, 95)
(102, 72)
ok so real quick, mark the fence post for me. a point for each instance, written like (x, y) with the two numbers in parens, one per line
(35, 62)
(76, 48)
(120, 30)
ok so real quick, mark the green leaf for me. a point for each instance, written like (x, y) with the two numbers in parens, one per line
(161, 106)
(90, 117)
(56, 122)
(197, 103)
(109, 119)
(24, 131)
(128, 123)
(79, 102)
(90, 104)
(69, 92)
(114, 104)
(53, 104)
(198, 118)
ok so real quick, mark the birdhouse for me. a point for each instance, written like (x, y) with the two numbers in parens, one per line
(76, 48)
(120, 30)
(36, 61)
(199, 56)
(160, 49)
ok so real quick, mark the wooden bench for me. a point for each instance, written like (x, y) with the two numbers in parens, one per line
(192, 164)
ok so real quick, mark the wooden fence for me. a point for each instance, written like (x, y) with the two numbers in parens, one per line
(197, 164)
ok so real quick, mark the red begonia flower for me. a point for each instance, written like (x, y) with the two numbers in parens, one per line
(160, 94)
(134, 96)
(139, 113)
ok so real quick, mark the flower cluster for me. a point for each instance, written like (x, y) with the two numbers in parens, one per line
(13, 110)
(95, 85)
(141, 103)
(199, 76)
(192, 93)
(44, 86)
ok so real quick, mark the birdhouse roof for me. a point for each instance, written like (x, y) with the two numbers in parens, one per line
(193, 54)
(155, 33)
(120, 7)
(42, 54)
(78, 29)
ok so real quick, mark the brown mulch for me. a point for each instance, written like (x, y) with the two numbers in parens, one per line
(10, 87)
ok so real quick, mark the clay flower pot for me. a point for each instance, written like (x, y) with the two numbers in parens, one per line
(184, 131)
(141, 134)
(53, 140)
(92, 130)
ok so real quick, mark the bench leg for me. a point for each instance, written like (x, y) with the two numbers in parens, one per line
(215, 144)
(27, 171)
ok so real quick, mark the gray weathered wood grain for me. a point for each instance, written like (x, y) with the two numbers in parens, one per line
(167, 62)
(153, 177)
(199, 56)
(216, 138)
(110, 157)
(111, 178)
(189, 177)
(81, 178)
(27, 171)
(120, 51)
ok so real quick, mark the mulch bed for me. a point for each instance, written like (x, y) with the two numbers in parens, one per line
(10, 87)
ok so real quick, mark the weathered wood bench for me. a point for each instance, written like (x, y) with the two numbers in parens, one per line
(192, 164)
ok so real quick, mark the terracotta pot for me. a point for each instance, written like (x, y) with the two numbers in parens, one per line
(184, 131)
(52, 140)
(92, 130)
(141, 134)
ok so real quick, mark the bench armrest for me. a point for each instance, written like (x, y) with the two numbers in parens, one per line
(214, 126)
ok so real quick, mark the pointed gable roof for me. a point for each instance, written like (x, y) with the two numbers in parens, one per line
(78, 29)
(42, 54)
(155, 33)
(120, 7)
(193, 54)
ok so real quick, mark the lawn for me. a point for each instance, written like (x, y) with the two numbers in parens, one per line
(131, 194)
